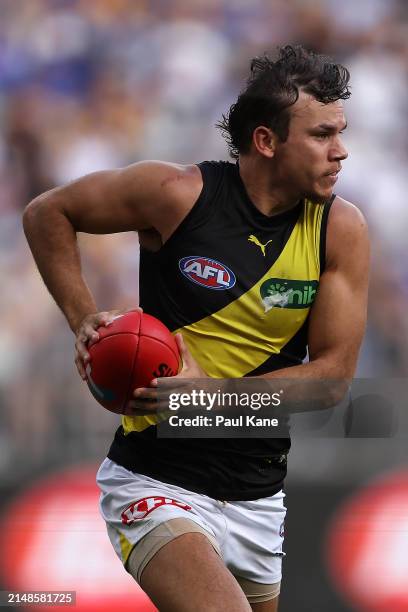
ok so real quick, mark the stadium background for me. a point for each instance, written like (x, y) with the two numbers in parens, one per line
(93, 84)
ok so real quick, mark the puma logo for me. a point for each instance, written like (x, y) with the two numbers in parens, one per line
(255, 240)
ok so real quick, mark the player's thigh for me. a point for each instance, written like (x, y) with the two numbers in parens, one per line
(266, 606)
(187, 574)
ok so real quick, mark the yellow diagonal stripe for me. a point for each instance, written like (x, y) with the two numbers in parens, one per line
(241, 336)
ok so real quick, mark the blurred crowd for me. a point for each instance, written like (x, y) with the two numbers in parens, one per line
(94, 84)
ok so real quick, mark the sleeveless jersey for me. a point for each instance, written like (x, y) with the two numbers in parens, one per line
(239, 285)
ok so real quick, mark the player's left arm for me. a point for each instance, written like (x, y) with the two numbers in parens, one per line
(338, 315)
(337, 319)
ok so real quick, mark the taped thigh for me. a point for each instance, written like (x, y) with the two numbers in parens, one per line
(256, 592)
(158, 537)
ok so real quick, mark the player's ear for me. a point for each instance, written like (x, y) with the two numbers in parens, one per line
(264, 140)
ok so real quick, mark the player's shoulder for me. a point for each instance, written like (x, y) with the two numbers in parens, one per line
(170, 178)
(346, 218)
(163, 189)
(168, 191)
(347, 229)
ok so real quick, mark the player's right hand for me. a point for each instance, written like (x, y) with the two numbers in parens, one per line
(87, 335)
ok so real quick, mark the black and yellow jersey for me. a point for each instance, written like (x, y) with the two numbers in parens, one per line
(239, 285)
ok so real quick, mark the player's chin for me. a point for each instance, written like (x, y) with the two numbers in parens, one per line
(320, 194)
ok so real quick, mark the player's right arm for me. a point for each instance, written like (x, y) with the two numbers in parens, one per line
(150, 197)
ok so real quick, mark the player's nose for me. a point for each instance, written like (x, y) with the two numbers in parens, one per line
(338, 152)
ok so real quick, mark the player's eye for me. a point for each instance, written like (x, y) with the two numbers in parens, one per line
(322, 136)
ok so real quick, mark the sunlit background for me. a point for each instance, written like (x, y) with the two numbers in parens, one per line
(94, 84)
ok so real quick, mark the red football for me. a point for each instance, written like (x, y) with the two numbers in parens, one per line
(131, 351)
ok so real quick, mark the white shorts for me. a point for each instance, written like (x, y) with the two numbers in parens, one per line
(248, 535)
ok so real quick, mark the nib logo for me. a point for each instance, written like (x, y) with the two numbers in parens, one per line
(285, 293)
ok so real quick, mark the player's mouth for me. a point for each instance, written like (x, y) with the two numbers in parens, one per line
(332, 176)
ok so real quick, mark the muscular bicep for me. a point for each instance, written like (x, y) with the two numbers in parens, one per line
(106, 202)
(142, 196)
(338, 316)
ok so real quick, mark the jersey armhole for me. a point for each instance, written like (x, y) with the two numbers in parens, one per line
(323, 233)
(196, 213)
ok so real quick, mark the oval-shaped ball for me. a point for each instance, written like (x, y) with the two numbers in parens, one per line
(133, 350)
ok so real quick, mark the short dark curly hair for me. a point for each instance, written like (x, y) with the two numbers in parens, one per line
(273, 87)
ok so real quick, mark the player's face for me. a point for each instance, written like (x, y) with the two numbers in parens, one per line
(311, 157)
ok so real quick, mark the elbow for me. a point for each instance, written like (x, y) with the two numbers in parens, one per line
(336, 375)
(37, 212)
(29, 216)
(339, 383)
(337, 391)
(32, 211)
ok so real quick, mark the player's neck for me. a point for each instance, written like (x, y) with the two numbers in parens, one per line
(263, 188)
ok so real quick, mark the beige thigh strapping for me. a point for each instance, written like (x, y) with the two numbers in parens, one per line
(161, 535)
(167, 531)
(256, 592)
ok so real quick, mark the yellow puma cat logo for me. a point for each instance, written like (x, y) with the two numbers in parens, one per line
(255, 240)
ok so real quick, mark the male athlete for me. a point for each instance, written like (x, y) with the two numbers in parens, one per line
(255, 263)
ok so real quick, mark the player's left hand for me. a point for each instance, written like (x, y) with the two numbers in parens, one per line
(146, 398)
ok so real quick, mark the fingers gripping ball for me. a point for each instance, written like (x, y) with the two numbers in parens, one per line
(133, 350)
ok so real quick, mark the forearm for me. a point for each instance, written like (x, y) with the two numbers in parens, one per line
(53, 243)
(319, 368)
(316, 385)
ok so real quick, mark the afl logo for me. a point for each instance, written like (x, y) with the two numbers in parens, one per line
(207, 272)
